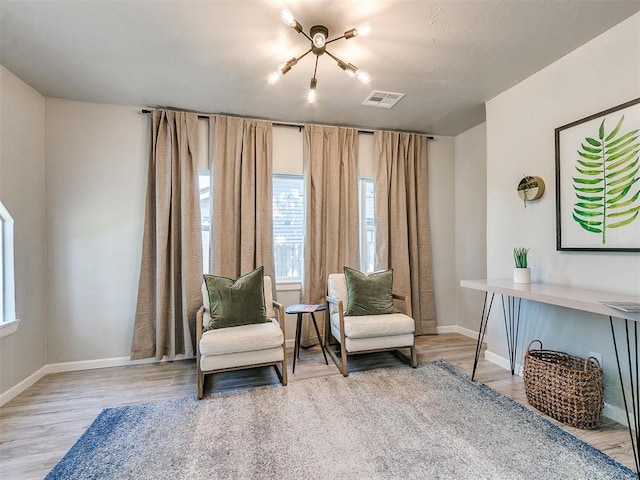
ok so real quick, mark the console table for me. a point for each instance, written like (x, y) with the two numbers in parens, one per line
(577, 299)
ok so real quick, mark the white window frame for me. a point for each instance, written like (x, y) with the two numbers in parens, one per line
(362, 223)
(8, 321)
(205, 229)
(291, 283)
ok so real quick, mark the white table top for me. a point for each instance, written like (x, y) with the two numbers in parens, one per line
(576, 298)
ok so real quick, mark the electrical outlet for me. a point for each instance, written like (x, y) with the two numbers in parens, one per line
(597, 356)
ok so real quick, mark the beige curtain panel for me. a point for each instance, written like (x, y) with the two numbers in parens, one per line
(331, 189)
(242, 220)
(403, 239)
(171, 272)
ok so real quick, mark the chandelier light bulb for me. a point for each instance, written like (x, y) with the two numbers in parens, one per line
(351, 70)
(274, 77)
(319, 40)
(363, 76)
(311, 97)
(288, 18)
(364, 29)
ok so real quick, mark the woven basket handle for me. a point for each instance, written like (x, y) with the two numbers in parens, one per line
(586, 363)
(532, 342)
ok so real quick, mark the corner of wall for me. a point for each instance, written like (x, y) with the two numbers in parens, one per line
(470, 221)
(22, 153)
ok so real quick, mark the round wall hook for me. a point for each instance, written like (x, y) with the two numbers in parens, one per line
(530, 188)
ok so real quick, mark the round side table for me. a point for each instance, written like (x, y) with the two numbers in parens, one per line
(301, 309)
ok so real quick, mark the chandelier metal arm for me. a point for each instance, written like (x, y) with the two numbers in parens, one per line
(342, 64)
(303, 55)
(334, 40)
(306, 35)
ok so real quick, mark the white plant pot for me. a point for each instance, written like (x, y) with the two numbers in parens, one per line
(522, 275)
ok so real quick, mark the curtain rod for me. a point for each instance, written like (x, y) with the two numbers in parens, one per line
(291, 124)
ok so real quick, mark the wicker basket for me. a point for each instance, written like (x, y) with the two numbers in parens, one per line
(567, 388)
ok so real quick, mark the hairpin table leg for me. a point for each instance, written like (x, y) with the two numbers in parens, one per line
(632, 401)
(481, 331)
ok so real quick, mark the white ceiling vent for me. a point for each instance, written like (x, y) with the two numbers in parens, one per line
(382, 99)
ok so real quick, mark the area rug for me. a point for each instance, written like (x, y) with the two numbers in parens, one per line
(394, 423)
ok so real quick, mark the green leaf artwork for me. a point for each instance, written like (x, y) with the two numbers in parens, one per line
(607, 184)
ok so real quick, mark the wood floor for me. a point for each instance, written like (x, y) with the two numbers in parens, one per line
(40, 425)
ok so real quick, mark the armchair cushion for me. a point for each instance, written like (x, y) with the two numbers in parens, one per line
(369, 294)
(244, 338)
(236, 302)
(368, 326)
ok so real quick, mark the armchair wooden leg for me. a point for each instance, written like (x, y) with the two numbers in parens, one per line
(341, 362)
(285, 378)
(343, 354)
(200, 385)
(282, 372)
(409, 360)
(414, 356)
(337, 360)
(283, 365)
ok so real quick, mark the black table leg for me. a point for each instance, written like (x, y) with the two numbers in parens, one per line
(313, 317)
(296, 346)
(632, 402)
(482, 330)
(512, 327)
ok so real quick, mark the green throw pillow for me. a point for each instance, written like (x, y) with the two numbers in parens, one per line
(236, 302)
(370, 294)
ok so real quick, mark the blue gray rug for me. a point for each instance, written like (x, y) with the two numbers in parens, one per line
(395, 423)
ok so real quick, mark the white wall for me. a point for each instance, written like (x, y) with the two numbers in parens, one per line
(442, 211)
(96, 179)
(520, 140)
(22, 190)
(470, 222)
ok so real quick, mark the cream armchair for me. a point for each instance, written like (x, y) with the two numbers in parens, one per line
(366, 333)
(244, 346)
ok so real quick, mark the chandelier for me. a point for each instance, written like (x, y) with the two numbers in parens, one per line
(318, 36)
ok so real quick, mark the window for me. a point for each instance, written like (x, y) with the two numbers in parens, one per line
(2, 262)
(366, 207)
(205, 220)
(288, 227)
(8, 322)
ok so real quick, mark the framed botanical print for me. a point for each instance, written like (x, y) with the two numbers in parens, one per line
(598, 181)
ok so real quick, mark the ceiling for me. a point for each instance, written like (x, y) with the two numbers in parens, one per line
(448, 57)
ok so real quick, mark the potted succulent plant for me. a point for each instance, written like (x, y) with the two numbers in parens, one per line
(521, 272)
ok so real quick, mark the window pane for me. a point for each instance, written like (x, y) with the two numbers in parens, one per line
(367, 224)
(288, 227)
(2, 272)
(7, 285)
(205, 221)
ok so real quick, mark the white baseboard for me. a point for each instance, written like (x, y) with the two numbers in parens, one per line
(23, 385)
(74, 367)
(502, 362)
(612, 412)
(93, 364)
(616, 414)
(461, 330)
